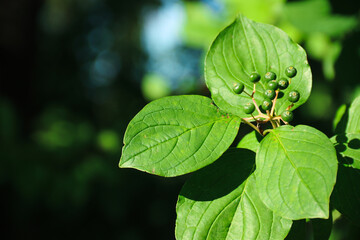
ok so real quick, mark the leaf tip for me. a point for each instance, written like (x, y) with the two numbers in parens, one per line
(324, 214)
(122, 163)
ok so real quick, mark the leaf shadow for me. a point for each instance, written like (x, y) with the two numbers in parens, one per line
(354, 143)
(280, 95)
(343, 159)
(221, 177)
(341, 138)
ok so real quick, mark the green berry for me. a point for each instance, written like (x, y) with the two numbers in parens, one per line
(249, 108)
(238, 88)
(290, 71)
(267, 104)
(294, 96)
(270, 76)
(287, 116)
(269, 93)
(272, 84)
(283, 83)
(255, 77)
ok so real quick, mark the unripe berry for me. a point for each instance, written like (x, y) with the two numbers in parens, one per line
(273, 85)
(249, 108)
(283, 83)
(269, 93)
(255, 77)
(238, 88)
(290, 72)
(267, 104)
(270, 76)
(287, 116)
(294, 96)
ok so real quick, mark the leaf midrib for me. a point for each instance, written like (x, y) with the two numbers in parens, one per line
(178, 136)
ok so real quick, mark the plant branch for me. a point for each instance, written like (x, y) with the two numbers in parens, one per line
(256, 106)
(274, 103)
(252, 125)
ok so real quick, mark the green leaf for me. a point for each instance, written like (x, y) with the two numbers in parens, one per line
(338, 116)
(353, 125)
(348, 147)
(221, 202)
(346, 195)
(177, 135)
(349, 118)
(245, 47)
(250, 141)
(296, 172)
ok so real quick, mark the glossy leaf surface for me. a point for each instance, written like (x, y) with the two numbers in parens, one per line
(245, 47)
(296, 172)
(221, 202)
(177, 135)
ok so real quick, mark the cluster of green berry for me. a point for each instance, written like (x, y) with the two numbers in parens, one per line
(273, 87)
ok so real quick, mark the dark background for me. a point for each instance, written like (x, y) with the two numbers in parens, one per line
(74, 73)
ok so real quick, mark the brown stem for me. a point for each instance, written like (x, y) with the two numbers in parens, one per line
(256, 106)
(274, 102)
(247, 94)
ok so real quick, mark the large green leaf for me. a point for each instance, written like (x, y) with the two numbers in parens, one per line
(348, 146)
(296, 172)
(177, 135)
(244, 47)
(346, 195)
(221, 202)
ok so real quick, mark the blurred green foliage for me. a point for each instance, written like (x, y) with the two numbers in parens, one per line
(73, 74)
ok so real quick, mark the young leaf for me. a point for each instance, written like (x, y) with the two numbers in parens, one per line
(348, 147)
(250, 141)
(337, 122)
(296, 172)
(346, 195)
(221, 202)
(347, 119)
(177, 135)
(245, 47)
(353, 125)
